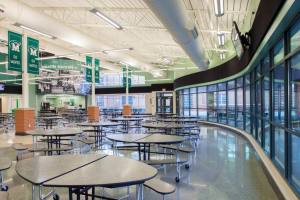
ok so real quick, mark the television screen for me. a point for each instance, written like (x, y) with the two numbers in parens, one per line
(2, 87)
(71, 82)
(236, 40)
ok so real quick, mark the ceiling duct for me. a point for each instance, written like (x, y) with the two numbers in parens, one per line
(173, 15)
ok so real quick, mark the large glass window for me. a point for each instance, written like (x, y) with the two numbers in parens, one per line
(231, 103)
(222, 103)
(278, 94)
(295, 36)
(212, 103)
(278, 52)
(295, 93)
(240, 103)
(202, 103)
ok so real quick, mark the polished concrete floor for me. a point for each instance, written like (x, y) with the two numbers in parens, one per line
(224, 167)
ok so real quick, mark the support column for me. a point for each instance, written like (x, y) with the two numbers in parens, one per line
(25, 116)
(93, 110)
(127, 106)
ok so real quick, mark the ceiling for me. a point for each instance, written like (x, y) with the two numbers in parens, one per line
(151, 42)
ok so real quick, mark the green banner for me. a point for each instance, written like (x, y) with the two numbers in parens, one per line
(97, 70)
(61, 64)
(33, 63)
(129, 78)
(14, 51)
(88, 69)
(124, 75)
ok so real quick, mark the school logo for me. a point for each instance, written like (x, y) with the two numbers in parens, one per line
(33, 51)
(15, 46)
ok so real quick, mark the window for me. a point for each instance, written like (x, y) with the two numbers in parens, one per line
(278, 94)
(202, 103)
(278, 52)
(231, 103)
(294, 34)
(240, 103)
(295, 92)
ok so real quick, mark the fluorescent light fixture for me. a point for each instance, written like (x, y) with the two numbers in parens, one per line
(221, 39)
(219, 7)
(34, 31)
(10, 74)
(222, 56)
(116, 50)
(105, 18)
(48, 70)
(163, 79)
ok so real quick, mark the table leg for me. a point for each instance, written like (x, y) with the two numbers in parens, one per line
(70, 194)
(139, 150)
(33, 192)
(149, 152)
(145, 151)
(93, 193)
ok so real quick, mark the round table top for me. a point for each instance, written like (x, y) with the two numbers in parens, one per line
(5, 163)
(55, 132)
(109, 171)
(98, 124)
(146, 138)
(127, 119)
(163, 125)
(40, 169)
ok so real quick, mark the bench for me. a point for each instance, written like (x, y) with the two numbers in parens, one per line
(86, 141)
(20, 149)
(168, 161)
(181, 149)
(49, 150)
(160, 186)
(3, 195)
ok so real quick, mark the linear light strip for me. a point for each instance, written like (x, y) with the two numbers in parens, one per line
(105, 18)
(34, 31)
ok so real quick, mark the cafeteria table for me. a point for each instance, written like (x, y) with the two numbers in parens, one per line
(54, 136)
(169, 128)
(98, 128)
(85, 172)
(178, 120)
(5, 164)
(146, 140)
(125, 121)
(49, 120)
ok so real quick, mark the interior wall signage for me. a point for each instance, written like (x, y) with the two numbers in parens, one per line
(97, 70)
(61, 64)
(33, 64)
(14, 51)
(88, 69)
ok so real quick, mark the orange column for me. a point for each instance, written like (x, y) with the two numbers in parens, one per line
(126, 110)
(25, 120)
(93, 113)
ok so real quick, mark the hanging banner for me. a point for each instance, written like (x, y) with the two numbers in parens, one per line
(129, 78)
(14, 51)
(33, 64)
(124, 75)
(88, 69)
(97, 70)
